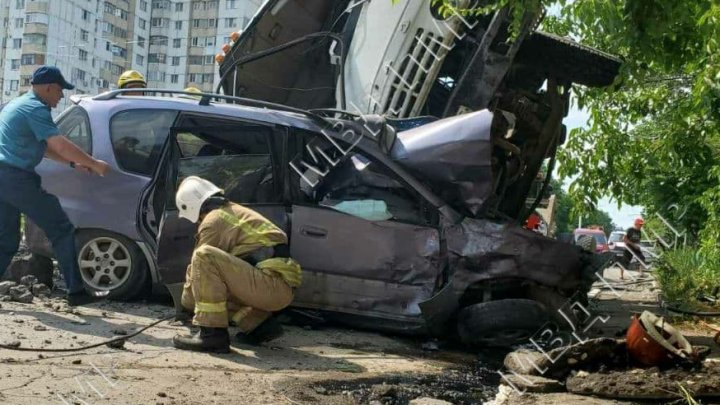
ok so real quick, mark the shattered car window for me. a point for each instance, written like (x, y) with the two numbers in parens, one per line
(355, 184)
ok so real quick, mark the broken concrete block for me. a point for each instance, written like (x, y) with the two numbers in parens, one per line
(429, 401)
(5, 287)
(17, 291)
(28, 280)
(25, 298)
(30, 264)
(532, 383)
(40, 290)
(524, 361)
(5, 298)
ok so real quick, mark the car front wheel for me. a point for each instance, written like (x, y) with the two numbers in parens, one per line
(501, 323)
(111, 262)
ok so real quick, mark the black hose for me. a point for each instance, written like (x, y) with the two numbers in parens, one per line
(77, 349)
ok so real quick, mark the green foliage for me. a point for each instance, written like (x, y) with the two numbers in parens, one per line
(567, 215)
(653, 138)
(686, 272)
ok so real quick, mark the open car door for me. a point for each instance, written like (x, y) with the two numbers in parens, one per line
(238, 156)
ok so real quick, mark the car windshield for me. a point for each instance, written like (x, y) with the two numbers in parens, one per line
(616, 237)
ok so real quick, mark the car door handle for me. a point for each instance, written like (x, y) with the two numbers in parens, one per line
(313, 231)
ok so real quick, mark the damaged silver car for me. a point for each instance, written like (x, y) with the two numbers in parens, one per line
(378, 246)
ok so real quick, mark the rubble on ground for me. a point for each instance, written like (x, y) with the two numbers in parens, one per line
(24, 292)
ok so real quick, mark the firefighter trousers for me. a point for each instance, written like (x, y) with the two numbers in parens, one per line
(220, 287)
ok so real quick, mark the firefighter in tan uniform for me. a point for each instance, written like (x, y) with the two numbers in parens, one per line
(239, 273)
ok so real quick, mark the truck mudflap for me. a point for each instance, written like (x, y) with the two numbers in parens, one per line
(439, 309)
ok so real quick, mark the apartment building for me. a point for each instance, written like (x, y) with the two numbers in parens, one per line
(172, 42)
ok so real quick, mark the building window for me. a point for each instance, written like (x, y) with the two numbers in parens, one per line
(35, 39)
(208, 77)
(14, 85)
(141, 41)
(14, 64)
(143, 5)
(19, 22)
(230, 4)
(156, 58)
(85, 15)
(209, 59)
(212, 4)
(84, 35)
(212, 23)
(195, 41)
(195, 60)
(159, 22)
(156, 76)
(140, 60)
(159, 40)
(174, 79)
(142, 23)
(25, 80)
(175, 61)
(82, 54)
(161, 5)
(32, 59)
(178, 25)
(19, 4)
(79, 74)
(230, 22)
(17, 43)
(197, 23)
(210, 41)
(179, 7)
(198, 5)
(177, 42)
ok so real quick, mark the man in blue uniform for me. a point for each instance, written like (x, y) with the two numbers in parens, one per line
(27, 133)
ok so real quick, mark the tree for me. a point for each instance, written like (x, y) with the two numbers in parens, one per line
(567, 215)
(653, 138)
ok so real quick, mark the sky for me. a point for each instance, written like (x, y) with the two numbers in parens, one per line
(622, 217)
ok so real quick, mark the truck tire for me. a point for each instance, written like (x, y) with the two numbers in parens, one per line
(501, 323)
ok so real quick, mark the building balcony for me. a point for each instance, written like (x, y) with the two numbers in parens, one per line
(33, 48)
(36, 28)
(37, 6)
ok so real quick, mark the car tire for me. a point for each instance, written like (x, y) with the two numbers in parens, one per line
(109, 261)
(501, 323)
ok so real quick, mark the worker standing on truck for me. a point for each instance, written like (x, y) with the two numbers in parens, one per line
(240, 270)
(27, 133)
(132, 79)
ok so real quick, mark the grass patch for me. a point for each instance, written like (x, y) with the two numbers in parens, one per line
(685, 273)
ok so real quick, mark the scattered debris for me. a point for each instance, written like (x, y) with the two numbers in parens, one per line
(120, 332)
(5, 287)
(76, 361)
(431, 346)
(40, 328)
(162, 394)
(428, 401)
(649, 384)
(116, 344)
(533, 383)
(40, 290)
(29, 280)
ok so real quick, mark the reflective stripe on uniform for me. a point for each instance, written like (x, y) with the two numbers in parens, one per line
(287, 268)
(211, 306)
(254, 234)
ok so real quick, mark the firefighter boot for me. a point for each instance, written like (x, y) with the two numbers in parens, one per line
(267, 331)
(216, 340)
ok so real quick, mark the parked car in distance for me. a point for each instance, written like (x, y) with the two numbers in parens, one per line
(616, 243)
(601, 243)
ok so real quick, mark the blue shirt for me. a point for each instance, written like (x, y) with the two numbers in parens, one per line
(25, 126)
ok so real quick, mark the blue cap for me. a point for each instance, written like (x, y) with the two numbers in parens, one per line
(49, 75)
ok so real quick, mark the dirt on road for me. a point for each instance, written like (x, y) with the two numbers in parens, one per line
(304, 366)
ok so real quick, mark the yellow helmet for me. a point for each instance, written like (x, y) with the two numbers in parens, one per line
(191, 89)
(130, 77)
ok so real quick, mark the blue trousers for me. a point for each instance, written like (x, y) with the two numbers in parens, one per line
(21, 192)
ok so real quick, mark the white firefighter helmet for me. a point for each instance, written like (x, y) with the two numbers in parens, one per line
(191, 195)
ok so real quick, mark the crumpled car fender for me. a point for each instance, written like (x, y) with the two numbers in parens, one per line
(480, 250)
